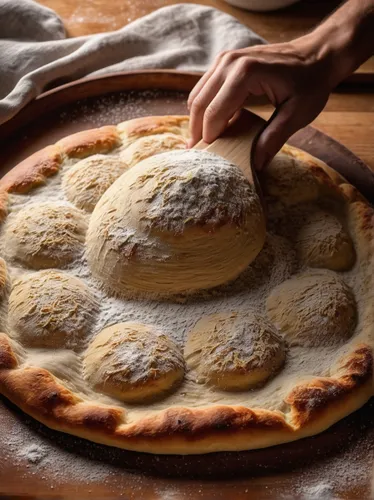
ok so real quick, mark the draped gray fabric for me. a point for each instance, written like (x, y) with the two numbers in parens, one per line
(34, 50)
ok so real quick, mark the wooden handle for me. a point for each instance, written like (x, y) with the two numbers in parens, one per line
(236, 143)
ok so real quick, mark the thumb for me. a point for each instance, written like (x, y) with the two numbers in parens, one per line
(285, 121)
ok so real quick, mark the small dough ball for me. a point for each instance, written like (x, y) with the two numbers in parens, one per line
(234, 351)
(133, 362)
(86, 182)
(175, 223)
(45, 235)
(289, 181)
(322, 242)
(151, 145)
(51, 309)
(313, 309)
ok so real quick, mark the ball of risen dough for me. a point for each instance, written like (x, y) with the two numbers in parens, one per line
(322, 242)
(133, 362)
(150, 145)
(45, 235)
(51, 309)
(234, 351)
(313, 309)
(289, 180)
(176, 222)
(86, 182)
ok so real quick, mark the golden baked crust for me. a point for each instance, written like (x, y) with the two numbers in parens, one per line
(310, 406)
(140, 127)
(90, 142)
(33, 171)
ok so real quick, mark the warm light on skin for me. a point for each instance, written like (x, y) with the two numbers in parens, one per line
(286, 73)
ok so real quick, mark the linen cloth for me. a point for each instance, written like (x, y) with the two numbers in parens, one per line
(35, 52)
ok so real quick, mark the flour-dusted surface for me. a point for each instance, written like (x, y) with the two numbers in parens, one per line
(176, 222)
(51, 309)
(175, 317)
(133, 362)
(46, 464)
(234, 351)
(276, 263)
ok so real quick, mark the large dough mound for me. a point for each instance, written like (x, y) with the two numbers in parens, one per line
(51, 309)
(322, 242)
(177, 222)
(133, 362)
(234, 351)
(45, 235)
(313, 309)
(87, 180)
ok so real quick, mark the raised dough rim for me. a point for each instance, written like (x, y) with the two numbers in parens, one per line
(312, 406)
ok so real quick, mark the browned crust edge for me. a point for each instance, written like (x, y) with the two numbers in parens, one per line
(34, 170)
(140, 127)
(90, 142)
(310, 407)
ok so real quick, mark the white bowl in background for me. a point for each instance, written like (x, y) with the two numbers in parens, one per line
(261, 5)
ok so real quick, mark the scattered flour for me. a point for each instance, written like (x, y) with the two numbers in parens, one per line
(36, 455)
(318, 492)
(115, 108)
(36, 458)
(345, 471)
(39, 457)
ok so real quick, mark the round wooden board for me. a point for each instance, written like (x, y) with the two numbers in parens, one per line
(42, 462)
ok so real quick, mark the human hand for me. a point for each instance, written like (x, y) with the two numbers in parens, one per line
(297, 77)
(289, 74)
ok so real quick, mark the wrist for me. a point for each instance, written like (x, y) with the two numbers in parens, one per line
(344, 41)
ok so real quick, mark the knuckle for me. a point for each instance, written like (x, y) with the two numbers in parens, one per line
(220, 57)
(196, 106)
(210, 113)
(245, 64)
(229, 56)
(222, 54)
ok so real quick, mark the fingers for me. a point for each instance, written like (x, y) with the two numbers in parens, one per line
(199, 105)
(223, 107)
(194, 108)
(205, 91)
(203, 80)
(200, 84)
(286, 120)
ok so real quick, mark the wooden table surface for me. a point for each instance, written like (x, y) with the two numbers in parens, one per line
(349, 114)
(348, 117)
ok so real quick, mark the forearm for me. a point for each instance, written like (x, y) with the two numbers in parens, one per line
(345, 40)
